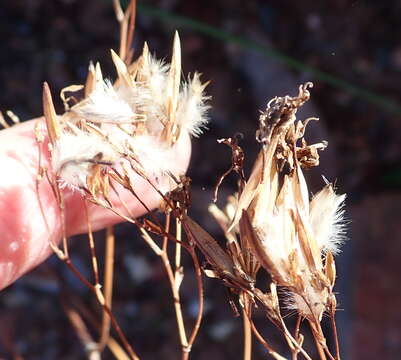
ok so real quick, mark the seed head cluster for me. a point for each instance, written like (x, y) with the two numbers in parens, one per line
(134, 122)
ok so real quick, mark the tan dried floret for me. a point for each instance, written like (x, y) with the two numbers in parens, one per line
(138, 119)
(293, 234)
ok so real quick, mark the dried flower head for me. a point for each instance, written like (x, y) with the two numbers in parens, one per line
(294, 236)
(135, 121)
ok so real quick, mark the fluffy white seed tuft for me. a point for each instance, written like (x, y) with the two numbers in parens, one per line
(311, 305)
(74, 155)
(327, 219)
(191, 113)
(104, 105)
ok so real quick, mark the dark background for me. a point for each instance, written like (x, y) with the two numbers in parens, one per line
(356, 42)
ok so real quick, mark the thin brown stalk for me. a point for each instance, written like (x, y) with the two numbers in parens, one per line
(316, 336)
(108, 287)
(112, 344)
(177, 302)
(63, 224)
(335, 335)
(328, 353)
(170, 274)
(265, 344)
(320, 335)
(291, 339)
(91, 241)
(122, 20)
(295, 351)
(178, 234)
(98, 295)
(131, 32)
(198, 274)
(167, 228)
(83, 334)
(246, 315)
(145, 234)
(297, 327)
(178, 277)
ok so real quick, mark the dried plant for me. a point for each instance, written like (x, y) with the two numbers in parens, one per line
(271, 224)
(104, 142)
(120, 131)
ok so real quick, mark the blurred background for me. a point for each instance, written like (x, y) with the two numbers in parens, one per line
(251, 51)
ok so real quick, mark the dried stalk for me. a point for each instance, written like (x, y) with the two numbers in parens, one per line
(175, 285)
(95, 266)
(133, 355)
(246, 316)
(63, 255)
(198, 274)
(83, 334)
(108, 287)
(265, 344)
(297, 337)
(112, 344)
(335, 335)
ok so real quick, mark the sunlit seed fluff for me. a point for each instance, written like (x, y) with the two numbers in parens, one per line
(153, 157)
(153, 75)
(311, 304)
(191, 112)
(151, 92)
(327, 219)
(74, 155)
(104, 105)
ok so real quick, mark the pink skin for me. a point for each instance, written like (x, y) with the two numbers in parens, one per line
(24, 232)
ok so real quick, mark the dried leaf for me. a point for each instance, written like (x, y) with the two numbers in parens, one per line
(173, 90)
(121, 68)
(52, 124)
(209, 247)
(256, 245)
(330, 268)
(90, 80)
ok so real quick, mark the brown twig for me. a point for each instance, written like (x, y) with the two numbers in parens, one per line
(265, 344)
(174, 285)
(335, 334)
(98, 295)
(297, 337)
(246, 316)
(198, 274)
(315, 326)
(108, 286)
(112, 344)
(95, 266)
(83, 334)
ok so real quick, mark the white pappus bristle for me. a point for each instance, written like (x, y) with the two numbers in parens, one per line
(327, 219)
(151, 92)
(313, 302)
(104, 105)
(74, 155)
(191, 112)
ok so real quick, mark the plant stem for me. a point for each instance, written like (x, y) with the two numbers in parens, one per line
(176, 298)
(247, 329)
(335, 334)
(297, 337)
(92, 288)
(198, 273)
(269, 349)
(317, 334)
(108, 287)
